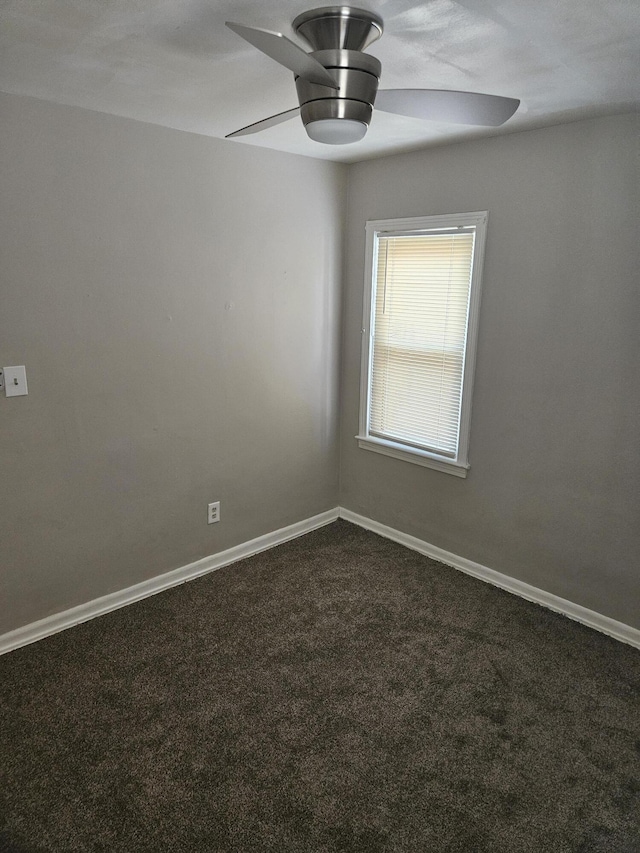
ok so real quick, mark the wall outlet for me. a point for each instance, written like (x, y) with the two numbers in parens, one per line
(213, 513)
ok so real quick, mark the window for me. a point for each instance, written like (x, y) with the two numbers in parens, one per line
(422, 297)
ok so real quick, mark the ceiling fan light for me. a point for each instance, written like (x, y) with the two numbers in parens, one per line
(336, 131)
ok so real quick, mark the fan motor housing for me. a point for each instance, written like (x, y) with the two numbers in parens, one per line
(356, 73)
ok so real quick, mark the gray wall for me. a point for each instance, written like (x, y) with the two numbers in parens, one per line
(176, 302)
(552, 497)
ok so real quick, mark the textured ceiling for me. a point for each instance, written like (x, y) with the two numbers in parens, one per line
(173, 62)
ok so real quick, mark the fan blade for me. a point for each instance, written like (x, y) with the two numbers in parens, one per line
(265, 123)
(287, 53)
(447, 106)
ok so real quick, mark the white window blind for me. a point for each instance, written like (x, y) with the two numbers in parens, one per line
(420, 324)
(421, 306)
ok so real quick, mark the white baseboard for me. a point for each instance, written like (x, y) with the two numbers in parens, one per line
(99, 606)
(618, 630)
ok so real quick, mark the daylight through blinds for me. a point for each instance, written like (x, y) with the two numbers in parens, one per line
(422, 286)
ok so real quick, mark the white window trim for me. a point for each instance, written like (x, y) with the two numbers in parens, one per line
(460, 465)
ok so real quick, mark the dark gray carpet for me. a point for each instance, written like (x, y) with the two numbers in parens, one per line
(337, 693)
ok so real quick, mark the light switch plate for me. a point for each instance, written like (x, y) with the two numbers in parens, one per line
(15, 381)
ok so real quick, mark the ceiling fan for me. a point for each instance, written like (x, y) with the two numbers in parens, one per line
(337, 83)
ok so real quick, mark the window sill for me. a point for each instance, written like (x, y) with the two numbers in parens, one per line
(417, 457)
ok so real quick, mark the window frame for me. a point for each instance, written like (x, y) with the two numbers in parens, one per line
(459, 465)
